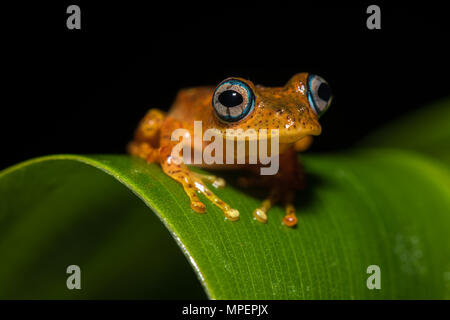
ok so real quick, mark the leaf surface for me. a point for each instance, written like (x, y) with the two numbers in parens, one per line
(373, 207)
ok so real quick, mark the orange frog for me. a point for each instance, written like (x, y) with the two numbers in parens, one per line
(236, 103)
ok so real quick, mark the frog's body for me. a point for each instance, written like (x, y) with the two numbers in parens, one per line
(287, 109)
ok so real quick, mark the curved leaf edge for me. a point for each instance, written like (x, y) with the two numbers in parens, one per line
(436, 168)
(139, 193)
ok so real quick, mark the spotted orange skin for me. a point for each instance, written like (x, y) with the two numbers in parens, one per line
(284, 108)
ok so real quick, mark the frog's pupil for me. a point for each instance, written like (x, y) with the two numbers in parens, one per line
(324, 92)
(230, 98)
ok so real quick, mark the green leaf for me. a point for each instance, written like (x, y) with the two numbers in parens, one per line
(59, 211)
(374, 207)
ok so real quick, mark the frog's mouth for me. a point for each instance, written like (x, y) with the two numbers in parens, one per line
(294, 136)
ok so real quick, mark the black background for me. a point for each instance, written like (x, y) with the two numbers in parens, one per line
(83, 91)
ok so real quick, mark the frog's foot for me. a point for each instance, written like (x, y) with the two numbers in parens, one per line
(217, 182)
(230, 213)
(290, 219)
(193, 183)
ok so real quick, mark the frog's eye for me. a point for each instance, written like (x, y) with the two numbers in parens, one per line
(233, 100)
(319, 94)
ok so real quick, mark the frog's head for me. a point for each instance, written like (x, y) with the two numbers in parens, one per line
(293, 109)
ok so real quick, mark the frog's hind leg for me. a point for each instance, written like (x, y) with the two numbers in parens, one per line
(147, 136)
(192, 183)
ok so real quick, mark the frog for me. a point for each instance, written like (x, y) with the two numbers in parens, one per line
(237, 103)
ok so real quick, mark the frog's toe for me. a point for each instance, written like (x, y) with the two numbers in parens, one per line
(290, 219)
(219, 183)
(216, 182)
(198, 206)
(232, 214)
(260, 215)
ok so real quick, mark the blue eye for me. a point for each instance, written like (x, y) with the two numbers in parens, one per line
(319, 94)
(233, 100)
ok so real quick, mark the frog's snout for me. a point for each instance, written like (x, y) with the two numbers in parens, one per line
(298, 123)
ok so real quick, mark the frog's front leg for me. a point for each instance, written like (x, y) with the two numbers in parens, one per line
(192, 182)
(146, 137)
(282, 186)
